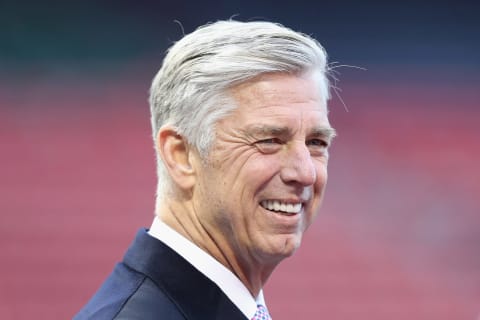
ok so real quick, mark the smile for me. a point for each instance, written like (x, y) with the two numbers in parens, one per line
(282, 207)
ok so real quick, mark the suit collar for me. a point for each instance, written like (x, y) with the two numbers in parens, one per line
(223, 277)
(193, 293)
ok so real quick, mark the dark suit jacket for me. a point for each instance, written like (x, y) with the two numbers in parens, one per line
(154, 282)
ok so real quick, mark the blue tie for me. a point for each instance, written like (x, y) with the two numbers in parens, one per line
(261, 314)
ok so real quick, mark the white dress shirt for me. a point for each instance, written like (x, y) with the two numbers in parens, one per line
(231, 286)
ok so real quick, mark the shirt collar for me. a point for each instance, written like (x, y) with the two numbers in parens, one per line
(231, 286)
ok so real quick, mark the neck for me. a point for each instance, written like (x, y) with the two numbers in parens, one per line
(181, 217)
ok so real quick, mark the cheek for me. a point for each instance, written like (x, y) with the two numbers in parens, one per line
(259, 170)
(322, 177)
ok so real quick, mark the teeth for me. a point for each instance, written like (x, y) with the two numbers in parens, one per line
(275, 205)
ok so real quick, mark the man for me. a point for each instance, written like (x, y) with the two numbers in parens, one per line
(239, 115)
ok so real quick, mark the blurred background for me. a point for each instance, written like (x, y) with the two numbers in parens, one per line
(398, 236)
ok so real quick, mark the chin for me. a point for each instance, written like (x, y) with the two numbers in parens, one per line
(287, 246)
(292, 246)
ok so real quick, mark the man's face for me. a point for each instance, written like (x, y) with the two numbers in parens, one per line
(265, 176)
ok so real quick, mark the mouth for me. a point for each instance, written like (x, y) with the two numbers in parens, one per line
(283, 208)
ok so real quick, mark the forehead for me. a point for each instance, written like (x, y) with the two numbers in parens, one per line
(278, 86)
(279, 97)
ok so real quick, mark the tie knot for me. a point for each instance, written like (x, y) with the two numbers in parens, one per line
(261, 314)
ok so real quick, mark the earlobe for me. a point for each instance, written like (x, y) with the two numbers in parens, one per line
(175, 153)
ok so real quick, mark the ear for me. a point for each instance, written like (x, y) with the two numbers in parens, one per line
(176, 155)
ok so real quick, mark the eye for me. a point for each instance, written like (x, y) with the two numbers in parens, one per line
(270, 145)
(317, 143)
(318, 147)
(270, 141)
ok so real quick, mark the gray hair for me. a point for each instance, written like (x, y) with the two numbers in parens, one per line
(190, 92)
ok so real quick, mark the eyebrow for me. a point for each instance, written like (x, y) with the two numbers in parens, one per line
(266, 130)
(327, 132)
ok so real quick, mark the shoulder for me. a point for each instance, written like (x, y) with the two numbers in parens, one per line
(149, 302)
(127, 294)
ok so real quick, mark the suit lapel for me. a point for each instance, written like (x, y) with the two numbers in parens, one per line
(193, 293)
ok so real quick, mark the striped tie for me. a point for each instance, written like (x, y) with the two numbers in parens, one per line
(261, 314)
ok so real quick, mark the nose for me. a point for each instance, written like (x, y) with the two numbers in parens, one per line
(299, 166)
